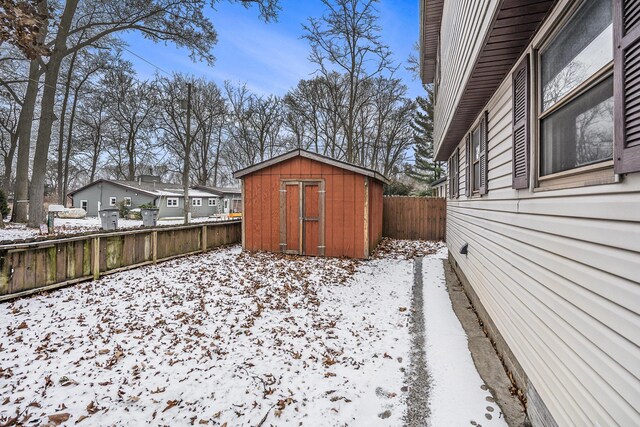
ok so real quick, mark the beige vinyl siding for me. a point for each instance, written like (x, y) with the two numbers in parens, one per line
(467, 22)
(559, 273)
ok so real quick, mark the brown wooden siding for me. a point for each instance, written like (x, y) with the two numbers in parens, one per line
(344, 206)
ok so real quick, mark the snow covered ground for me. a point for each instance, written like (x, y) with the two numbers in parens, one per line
(231, 338)
(66, 226)
(457, 394)
(224, 338)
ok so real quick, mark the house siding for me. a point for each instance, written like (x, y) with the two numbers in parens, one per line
(102, 191)
(558, 273)
(465, 24)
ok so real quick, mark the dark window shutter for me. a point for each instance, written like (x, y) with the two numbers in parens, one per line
(520, 92)
(468, 185)
(450, 169)
(484, 156)
(456, 161)
(627, 86)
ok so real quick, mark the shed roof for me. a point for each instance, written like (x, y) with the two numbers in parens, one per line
(312, 156)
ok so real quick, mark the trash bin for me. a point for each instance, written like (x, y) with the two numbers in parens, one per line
(109, 218)
(149, 216)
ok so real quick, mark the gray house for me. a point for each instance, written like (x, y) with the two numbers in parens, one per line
(148, 189)
(231, 198)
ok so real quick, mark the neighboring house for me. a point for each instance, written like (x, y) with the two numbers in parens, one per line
(169, 198)
(231, 198)
(440, 187)
(308, 204)
(537, 110)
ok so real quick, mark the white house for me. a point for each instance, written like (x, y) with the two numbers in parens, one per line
(537, 111)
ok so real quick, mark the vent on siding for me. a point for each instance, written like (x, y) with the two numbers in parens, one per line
(521, 125)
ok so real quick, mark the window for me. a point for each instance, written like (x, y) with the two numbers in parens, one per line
(212, 202)
(84, 204)
(476, 182)
(475, 159)
(454, 175)
(172, 202)
(196, 201)
(127, 201)
(226, 204)
(576, 92)
(112, 201)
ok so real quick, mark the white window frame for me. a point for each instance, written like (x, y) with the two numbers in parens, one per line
(196, 202)
(85, 203)
(212, 201)
(127, 201)
(172, 202)
(113, 200)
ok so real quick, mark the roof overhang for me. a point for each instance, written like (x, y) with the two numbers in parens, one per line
(430, 22)
(512, 27)
(312, 156)
(116, 183)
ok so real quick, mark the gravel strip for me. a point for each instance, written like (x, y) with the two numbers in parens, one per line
(417, 377)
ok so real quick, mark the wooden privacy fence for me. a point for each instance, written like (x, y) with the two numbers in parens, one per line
(414, 218)
(26, 268)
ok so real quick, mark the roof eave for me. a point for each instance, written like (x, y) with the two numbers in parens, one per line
(430, 21)
(484, 81)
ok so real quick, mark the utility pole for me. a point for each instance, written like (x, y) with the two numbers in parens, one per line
(187, 157)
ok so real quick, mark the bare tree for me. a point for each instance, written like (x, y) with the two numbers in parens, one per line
(347, 39)
(9, 113)
(82, 24)
(132, 107)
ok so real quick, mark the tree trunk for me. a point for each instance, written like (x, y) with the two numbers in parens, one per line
(8, 164)
(36, 188)
(131, 153)
(187, 159)
(63, 114)
(67, 154)
(25, 122)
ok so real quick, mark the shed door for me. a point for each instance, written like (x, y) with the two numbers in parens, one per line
(301, 217)
(292, 214)
(310, 219)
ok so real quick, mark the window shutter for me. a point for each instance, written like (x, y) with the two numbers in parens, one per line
(627, 86)
(520, 93)
(468, 186)
(450, 170)
(456, 161)
(484, 157)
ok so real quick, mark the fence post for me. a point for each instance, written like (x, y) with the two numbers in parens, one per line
(96, 258)
(154, 246)
(204, 238)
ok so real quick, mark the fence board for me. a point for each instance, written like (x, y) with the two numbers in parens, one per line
(29, 267)
(414, 218)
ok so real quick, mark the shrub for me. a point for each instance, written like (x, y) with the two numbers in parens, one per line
(123, 210)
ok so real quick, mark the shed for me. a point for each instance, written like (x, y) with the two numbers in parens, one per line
(308, 204)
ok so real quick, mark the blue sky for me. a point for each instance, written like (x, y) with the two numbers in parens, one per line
(272, 57)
